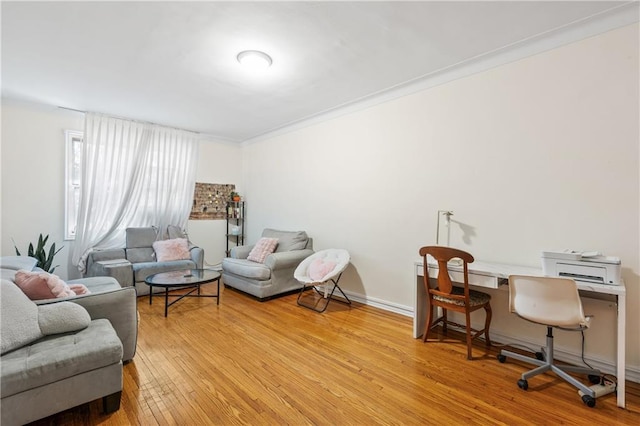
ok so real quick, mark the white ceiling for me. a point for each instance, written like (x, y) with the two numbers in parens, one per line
(174, 63)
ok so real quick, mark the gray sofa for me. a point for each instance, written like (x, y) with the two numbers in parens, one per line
(275, 275)
(107, 299)
(57, 354)
(132, 264)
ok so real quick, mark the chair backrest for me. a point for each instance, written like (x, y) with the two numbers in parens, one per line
(443, 255)
(139, 247)
(550, 301)
(332, 262)
(288, 240)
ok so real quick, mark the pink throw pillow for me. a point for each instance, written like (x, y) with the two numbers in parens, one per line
(263, 248)
(42, 285)
(175, 249)
(319, 268)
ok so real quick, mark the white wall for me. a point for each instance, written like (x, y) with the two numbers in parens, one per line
(33, 176)
(33, 170)
(218, 162)
(538, 154)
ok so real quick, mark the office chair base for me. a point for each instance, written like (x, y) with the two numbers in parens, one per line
(546, 364)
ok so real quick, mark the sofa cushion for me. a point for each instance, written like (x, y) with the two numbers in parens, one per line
(287, 240)
(143, 270)
(43, 285)
(23, 321)
(246, 268)
(174, 249)
(141, 237)
(263, 248)
(174, 231)
(18, 262)
(142, 254)
(60, 356)
(63, 317)
(18, 318)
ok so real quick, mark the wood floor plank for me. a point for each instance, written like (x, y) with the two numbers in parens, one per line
(244, 362)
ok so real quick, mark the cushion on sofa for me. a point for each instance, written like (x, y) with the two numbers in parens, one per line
(175, 232)
(23, 321)
(43, 285)
(142, 254)
(287, 240)
(173, 249)
(56, 357)
(141, 237)
(18, 318)
(63, 317)
(263, 248)
(246, 268)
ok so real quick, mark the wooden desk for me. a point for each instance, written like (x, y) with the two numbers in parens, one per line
(493, 275)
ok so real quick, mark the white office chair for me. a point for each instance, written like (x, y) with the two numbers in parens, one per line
(553, 302)
(319, 270)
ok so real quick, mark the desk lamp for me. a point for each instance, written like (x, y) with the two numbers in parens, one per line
(447, 223)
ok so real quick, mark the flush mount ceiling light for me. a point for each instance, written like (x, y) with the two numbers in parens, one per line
(254, 59)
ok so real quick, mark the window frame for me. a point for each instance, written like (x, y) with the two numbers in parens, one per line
(71, 188)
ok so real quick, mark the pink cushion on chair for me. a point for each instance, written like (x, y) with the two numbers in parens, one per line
(174, 249)
(263, 248)
(319, 268)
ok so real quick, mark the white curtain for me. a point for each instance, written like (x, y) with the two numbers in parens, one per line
(133, 174)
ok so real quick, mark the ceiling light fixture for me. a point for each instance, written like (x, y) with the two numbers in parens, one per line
(254, 59)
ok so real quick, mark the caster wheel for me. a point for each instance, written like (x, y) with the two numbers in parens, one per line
(539, 356)
(501, 358)
(524, 385)
(589, 400)
(594, 379)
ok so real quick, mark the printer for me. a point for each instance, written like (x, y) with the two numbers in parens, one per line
(588, 267)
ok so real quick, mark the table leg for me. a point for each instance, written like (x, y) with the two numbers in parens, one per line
(150, 294)
(166, 301)
(218, 298)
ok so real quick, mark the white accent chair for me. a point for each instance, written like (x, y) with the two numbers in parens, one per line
(335, 261)
(553, 302)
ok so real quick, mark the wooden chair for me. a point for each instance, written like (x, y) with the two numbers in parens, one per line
(448, 297)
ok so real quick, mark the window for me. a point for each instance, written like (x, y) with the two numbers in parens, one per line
(73, 142)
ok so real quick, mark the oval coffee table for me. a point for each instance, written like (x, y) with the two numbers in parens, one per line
(182, 279)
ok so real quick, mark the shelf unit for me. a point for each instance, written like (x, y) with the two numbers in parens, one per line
(235, 222)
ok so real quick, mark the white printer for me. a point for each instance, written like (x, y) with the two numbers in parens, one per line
(589, 267)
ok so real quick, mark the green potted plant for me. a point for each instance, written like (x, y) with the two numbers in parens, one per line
(45, 259)
(235, 196)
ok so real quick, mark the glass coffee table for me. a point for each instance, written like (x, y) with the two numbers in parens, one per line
(182, 279)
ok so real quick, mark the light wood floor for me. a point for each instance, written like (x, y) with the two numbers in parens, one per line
(274, 363)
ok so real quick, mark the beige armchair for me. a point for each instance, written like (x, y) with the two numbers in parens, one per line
(275, 275)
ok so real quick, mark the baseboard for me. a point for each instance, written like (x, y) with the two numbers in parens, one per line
(632, 372)
(378, 303)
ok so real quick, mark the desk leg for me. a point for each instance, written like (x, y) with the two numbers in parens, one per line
(621, 363)
(218, 298)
